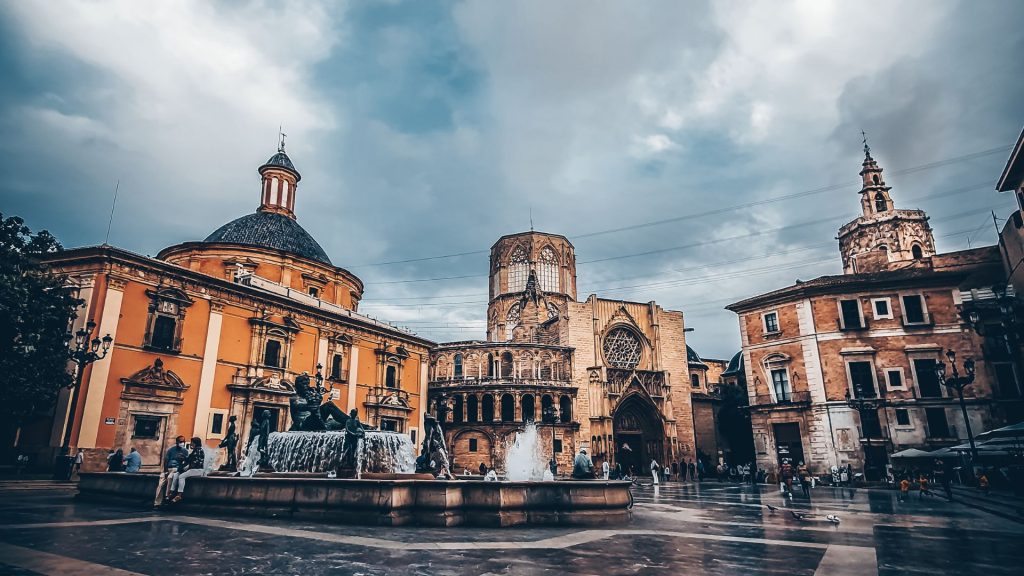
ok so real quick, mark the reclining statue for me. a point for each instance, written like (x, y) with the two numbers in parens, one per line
(309, 411)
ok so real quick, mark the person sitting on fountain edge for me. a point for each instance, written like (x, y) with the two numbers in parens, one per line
(582, 467)
(194, 466)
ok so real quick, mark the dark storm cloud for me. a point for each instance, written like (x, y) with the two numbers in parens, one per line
(432, 128)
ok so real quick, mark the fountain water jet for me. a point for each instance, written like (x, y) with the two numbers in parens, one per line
(524, 458)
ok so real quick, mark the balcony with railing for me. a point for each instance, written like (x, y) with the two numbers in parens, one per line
(787, 398)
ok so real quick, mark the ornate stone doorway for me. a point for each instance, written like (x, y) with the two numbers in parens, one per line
(639, 434)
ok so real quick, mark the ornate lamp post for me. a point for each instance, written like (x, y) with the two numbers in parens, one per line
(82, 351)
(958, 383)
(864, 404)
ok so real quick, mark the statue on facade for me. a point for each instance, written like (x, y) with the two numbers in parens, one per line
(309, 411)
(354, 434)
(229, 442)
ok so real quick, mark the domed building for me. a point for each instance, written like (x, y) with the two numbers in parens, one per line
(219, 328)
(607, 375)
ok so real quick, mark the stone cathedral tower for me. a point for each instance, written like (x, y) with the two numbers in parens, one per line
(532, 277)
(883, 237)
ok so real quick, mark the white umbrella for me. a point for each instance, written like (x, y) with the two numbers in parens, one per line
(912, 453)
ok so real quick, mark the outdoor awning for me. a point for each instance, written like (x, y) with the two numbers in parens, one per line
(912, 453)
(1011, 431)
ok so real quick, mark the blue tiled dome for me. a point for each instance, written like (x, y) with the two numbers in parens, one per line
(270, 230)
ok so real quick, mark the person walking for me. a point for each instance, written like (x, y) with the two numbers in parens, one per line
(133, 461)
(195, 465)
(805, 479)
(605, 469)
(692, 469)
(173, 458)
(922, 486)
(983, 482)
(943, 480)
(787, 479)
(655, 470)
(700, 470)
(682, 470)
(904, 490)
(79, 459)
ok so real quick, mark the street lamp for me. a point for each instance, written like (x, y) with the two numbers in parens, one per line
(958, 383)
(865, 404)
(83, 353)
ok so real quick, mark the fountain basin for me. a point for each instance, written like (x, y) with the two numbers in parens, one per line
(384, 502)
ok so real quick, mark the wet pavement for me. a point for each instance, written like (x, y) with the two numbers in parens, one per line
(710, 528)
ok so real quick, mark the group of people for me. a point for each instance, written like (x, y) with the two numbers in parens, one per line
(118, 462)
(181, 462)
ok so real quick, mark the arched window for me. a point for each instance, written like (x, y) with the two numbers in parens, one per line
(695, 380)
(518, 270)
(490, 365)
(508, 408)
(442, 410)
(917, 252)
(512, 320)
(622, 348)
(547, 408)
(547, 270)
(874, 178)
(457, 410)
(565, 409)
(471, 409)
(880, 202)
(272, 353)
(458, 365)
(391, 377)
(506, 365)
(487, 408)
(529, 412)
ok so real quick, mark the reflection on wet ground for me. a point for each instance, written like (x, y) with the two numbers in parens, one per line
(709, 528)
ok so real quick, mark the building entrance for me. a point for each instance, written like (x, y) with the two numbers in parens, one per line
(788, 446)
(639, 434)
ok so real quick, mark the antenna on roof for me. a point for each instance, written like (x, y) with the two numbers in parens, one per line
(280, 138)
(112, 205)
(531, 218)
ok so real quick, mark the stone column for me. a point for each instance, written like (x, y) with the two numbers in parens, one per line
(353, 372)
(96, 389)
(208, 371)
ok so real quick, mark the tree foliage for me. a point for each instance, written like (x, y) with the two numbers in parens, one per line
(36, 309)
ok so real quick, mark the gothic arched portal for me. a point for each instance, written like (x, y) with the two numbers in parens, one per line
(639, 433)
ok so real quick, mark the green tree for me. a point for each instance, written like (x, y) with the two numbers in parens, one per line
(36, 309)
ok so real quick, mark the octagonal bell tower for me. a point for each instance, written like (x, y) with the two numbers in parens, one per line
(532, 278)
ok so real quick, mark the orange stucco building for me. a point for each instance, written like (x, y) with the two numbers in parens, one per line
(220, 328)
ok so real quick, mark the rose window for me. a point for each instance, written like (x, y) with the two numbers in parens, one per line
(622, 348)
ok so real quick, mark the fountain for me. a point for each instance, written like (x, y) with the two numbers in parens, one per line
(524, 458)
(300, 473)
(321, 452)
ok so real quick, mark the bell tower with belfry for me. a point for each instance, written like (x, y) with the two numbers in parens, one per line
(532, 277)
(883, 238)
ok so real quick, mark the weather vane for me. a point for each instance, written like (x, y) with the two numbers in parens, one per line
(280, 139)
(867, 149)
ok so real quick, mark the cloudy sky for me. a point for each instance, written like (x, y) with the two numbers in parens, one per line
(695, 153)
